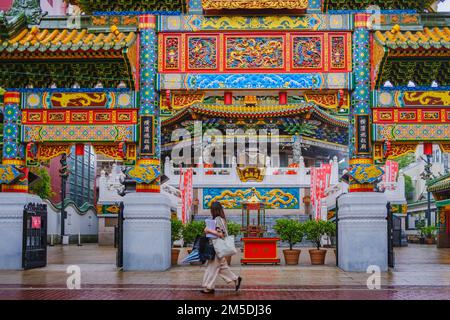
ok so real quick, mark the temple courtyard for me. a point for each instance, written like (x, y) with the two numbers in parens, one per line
(421, 272)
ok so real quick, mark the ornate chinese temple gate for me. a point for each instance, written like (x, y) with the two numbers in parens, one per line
(79, 86)
(108, 81)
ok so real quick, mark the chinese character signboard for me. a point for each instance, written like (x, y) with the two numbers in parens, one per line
(147, 131)
(362, 134)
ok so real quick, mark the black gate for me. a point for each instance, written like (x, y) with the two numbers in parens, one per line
(34, 244)
(119, 237)
(390, 236)
(337, 231)
(396, 231)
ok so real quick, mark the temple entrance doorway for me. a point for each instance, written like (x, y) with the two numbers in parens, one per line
(88, 179)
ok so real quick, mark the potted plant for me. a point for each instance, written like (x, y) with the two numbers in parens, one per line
(420, 224)
(176, 234)
(290, 231)
(190, 231)
(234, 229)
(429, 233)
(314, 231)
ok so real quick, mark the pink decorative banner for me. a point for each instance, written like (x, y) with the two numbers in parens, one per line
(320, 180)
(390, 173)
(187, 192)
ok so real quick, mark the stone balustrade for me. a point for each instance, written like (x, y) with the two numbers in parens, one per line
(228, 176)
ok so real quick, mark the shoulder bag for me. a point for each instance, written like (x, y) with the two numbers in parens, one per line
(224, 247)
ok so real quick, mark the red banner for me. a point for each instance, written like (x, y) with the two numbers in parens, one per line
(390, 173)
(187, 192)
(320, 180)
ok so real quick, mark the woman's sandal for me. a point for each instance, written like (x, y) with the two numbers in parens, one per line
(207, 291)
(238, 283)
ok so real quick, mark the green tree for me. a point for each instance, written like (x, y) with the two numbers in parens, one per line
(176, 230)
(234, 229)
(409, 188)
(191, 230)
(289, 230)
(42, 187)
(316, 229)
(405, 160)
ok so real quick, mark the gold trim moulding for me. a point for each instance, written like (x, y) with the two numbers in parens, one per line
(254, 4)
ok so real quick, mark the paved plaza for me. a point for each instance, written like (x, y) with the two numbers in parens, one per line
(421, 272)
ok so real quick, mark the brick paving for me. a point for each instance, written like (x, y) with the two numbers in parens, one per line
(422, 272)
(157, 292)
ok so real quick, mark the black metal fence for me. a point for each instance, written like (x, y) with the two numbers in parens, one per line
(390, 236)
(119, 237)
(34, 244)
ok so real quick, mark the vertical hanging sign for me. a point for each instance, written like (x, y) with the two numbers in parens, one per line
(362, 134)
(147, 134)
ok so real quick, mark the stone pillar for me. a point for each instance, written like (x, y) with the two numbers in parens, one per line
(362, 227)
(146, 240)
(362, 231)
(11, 228)
(146, 225)
(360, 147)
(13, 149)
(149, 153)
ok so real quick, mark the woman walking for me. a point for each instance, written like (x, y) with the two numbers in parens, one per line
(218, 266)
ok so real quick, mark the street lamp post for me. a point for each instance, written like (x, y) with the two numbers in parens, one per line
(428, 192)
(64, 173)
(428, 175)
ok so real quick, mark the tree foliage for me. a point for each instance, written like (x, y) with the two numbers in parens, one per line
(289, 230)
(316, 229)
(176, 230)
(42, 187)
(409, 188)
(405, 160)
(191, 230)
(234, 229)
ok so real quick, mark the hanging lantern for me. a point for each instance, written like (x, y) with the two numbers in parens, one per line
(282, 97)
(387, 148)
(79, 149)
(228, 98)
(341, 97)
(122, 150)
(32, 151)
(427, 148)
(168, 104)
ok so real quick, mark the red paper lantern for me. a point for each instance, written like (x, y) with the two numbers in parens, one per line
(228, 98)
(121, 150)
(341, 97)
(427, 148)
(79, 149)
(282, 96)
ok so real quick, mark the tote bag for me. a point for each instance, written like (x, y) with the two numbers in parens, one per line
(224, 247)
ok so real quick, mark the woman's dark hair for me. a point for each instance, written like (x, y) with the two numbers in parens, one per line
(217, 210)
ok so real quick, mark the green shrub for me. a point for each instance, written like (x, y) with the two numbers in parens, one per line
(428, 231)
(409, 188)
(289, 230)
(43, 186)
(314, 230)
(191, 230)
(176, 230)
(234, 229)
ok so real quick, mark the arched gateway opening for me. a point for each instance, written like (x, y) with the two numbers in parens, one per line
(68, 89)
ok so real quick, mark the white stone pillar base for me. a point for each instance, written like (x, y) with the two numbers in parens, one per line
(11, 228)
(146, 232)
(362, 231)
